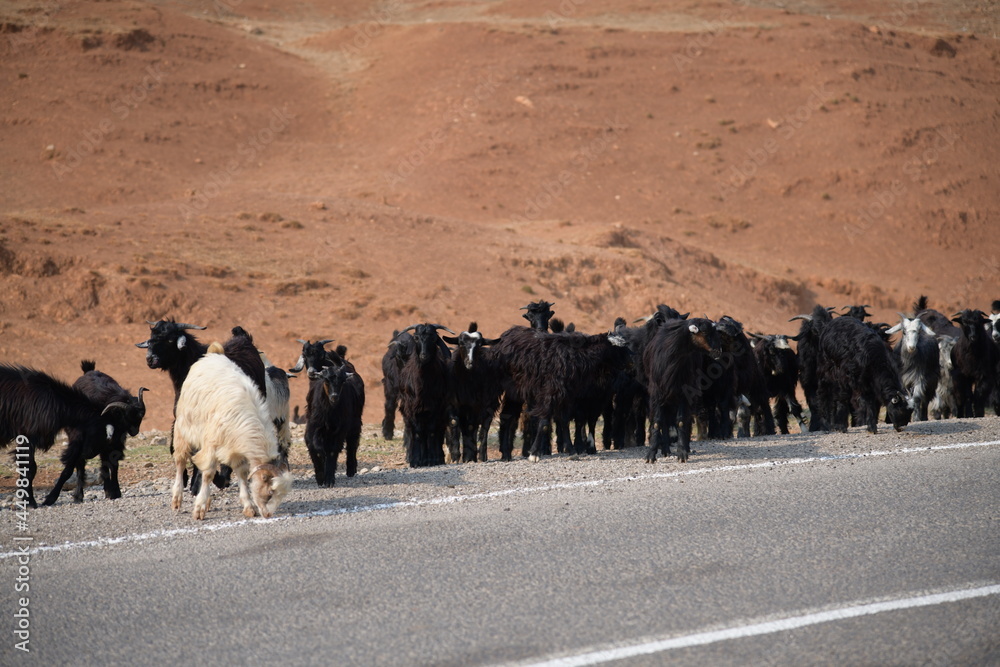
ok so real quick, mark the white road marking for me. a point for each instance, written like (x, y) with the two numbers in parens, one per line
(854, 610)
(355, 509)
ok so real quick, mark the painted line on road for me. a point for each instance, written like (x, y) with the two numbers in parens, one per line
(853, 610)
(446, 500)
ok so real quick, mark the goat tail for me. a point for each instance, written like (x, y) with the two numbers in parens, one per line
(920, 304)
(87, 365)
(216, 348)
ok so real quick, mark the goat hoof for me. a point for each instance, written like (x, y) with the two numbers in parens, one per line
(198, 514)
(249, 512)
(534, 458)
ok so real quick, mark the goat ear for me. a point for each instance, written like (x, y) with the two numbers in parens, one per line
(895, 329)
(110, 430)
(693, 328)
(490, 341)
(450, 340)
(181, 342)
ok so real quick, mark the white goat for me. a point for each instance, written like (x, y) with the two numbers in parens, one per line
(222, 418)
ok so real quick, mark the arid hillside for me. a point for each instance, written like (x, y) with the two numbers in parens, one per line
(340, 170)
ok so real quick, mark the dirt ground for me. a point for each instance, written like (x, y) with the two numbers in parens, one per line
(340, 170)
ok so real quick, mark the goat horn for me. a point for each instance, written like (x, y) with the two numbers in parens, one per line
(807, 318)
(409, 328)
(325, 341)
(144, 344)
(191, 326)
(152, 324)
(117, 405)
(141, 404)
(441, 326)
(304, 342)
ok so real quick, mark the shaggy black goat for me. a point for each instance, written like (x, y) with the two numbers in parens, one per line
(751, 386)
(854, 366)
(35, 406)
(780, 366)
(397, 352)
(974, 365)
(424, 396)
(475, 394)
(919, 364)
(336, 403)
(672, 361)
(538, 314)
(808, 342)
(857, 312)
(102, 390)
(550, 370)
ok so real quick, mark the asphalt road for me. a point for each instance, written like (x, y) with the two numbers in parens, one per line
(528, 577)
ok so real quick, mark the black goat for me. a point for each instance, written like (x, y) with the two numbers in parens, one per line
(35, 406)
(780, 366)
(102, 390)
(172, 348)
(854, 366)
(336, 403)
(397, 352)
(315, 357)
(808, 342)
(974, 364)
(672, 362)
(550, 371)
(538, 314)
(857, 312)
(475, 394)
(424, 396)
(751, 387)
(919, 366)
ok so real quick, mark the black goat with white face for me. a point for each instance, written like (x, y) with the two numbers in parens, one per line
(854, 366)
(336, 403)
(397, 352)
(475, 394)
(779, 364)
(672, 362)
(424, 395)
(102, 390)
(35, 406)
(974, 363)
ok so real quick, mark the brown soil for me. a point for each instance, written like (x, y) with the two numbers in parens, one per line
(317, 172)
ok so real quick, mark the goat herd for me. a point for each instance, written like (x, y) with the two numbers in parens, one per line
(661, 377)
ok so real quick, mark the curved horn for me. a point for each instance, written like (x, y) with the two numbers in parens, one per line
(757, 335)
(644, 319)
(299, 365)
(807, 318)
(304, 342)
(117, 405)
(410, 328)
(144, 344)
(441, 326)
(152, 324)
(190, 326)
(141, 403)
(325, 341)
